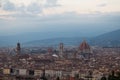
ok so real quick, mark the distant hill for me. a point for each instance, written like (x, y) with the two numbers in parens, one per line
(110, 39)
(55, 42)
(36, 38)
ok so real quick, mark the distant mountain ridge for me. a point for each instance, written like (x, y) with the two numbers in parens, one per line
(110, 39)
(55, 42)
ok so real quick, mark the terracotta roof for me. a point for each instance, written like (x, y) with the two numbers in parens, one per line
(84, 45)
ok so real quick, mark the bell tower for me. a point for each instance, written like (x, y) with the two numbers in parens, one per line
(18, 48)
(61, 48)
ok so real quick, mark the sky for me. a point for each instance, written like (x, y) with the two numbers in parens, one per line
(63, 17)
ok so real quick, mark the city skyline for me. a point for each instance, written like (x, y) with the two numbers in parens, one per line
(59, 40)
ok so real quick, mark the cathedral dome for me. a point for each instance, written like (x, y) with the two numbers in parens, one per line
(84, 46)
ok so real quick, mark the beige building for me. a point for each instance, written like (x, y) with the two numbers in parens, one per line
(6, 71)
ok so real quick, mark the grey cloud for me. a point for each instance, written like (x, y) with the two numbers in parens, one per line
(102, 5)
(8, 6)
(51, 3)
(22, 8)
(34, 8)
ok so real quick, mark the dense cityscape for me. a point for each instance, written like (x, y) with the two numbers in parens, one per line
(82, 62)
(59, 39)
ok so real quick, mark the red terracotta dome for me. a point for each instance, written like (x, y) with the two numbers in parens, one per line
(84, 46)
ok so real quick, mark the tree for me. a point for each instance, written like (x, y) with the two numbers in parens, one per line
(118, 75)
(43, 76)
(103, 78)
(58, 78)
(76, 76)
(112, 76)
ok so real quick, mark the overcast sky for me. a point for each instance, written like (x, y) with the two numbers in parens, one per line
(85, 17)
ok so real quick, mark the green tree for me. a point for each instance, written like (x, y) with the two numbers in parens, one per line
(118, 75)
(103, 78)
(58, 78)
(112, 76)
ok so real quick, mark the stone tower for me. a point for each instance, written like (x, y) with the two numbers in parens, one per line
(61, 48)
(18, 48)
